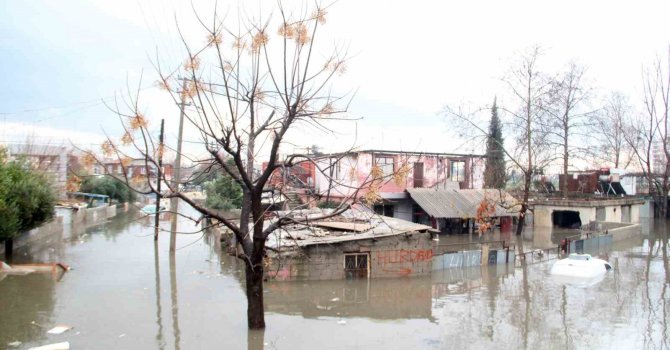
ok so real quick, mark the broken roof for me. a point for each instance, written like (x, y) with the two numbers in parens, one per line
(351, 225)
(449, 203)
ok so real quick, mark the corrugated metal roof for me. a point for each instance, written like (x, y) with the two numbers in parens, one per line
(447, 203)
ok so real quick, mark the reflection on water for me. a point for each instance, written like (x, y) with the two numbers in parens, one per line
(114, 298)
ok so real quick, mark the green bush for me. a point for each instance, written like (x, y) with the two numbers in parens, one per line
(26, 199)
(223, 193)
(110, 186)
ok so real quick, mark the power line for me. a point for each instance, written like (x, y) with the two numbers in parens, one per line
(95, 102)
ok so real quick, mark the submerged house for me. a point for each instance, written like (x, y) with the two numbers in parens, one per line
(355, 244)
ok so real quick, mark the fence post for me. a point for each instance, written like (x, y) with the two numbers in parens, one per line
(485, 254)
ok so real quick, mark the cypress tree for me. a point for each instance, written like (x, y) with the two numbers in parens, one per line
(494, 172)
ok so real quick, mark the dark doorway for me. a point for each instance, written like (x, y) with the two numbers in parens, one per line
(566, 219)
(418, 175)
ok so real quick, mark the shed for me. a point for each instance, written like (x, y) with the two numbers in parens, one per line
(451, 210)
(354, 244)
(462, 204)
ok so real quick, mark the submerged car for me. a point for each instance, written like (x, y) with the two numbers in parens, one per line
(150, 209)
(580, 266)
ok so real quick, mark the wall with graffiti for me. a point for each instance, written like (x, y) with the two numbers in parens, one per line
(402, 255)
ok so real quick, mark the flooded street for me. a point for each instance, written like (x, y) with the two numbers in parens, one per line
(119, 296)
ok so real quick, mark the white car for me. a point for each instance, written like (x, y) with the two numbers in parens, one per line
(580, 266)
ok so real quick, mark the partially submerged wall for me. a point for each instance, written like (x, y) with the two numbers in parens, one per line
(610, 232)
(469, 258)
(391, 256)
(72, 219)
(611, 210)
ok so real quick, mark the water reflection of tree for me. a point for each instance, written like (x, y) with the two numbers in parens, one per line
(659, 245)
(664, 295)
(24, 300)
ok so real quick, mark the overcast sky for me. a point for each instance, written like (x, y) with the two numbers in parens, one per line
(60, 59)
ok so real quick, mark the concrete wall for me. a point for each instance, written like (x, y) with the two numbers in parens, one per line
(469, 258)
(96, 215)
(624, 232)
(647, 209)
(613, 213)
(542, 215)
(635, 213)
(393, 256)
(51, 227)
(66, 220)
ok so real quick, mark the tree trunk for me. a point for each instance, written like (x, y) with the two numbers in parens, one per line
(524, 204)
(9, 249)
(255, 309)
(522, 213)
(663, 206)
(564, 185)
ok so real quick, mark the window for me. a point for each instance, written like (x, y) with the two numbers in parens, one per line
(457, 170)
(110, 169)
(356, 266)
(600, 214)
(386, 164)
(384, 209)
(418, 174)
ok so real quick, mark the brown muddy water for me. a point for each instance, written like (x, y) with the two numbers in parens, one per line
(118, 296)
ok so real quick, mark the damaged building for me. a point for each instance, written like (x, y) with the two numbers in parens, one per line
(355, 244)
(335, 177)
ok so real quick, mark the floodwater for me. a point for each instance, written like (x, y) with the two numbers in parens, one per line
(119, 296)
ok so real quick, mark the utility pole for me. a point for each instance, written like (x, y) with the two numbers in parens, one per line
(158, 180)
(176, 174)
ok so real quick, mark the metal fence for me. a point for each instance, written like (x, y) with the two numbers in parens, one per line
(539, 255)
(594, 243)
(472, 254)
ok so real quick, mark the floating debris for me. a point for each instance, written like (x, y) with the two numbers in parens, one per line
(60, 329)
(56, 346)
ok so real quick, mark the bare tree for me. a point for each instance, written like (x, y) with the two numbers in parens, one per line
(530, 152)
(566, 115)
(249, 92)
(608, 131)
(650, 138)
(529, 89)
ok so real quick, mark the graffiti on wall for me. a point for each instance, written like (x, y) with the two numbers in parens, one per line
(386, 257)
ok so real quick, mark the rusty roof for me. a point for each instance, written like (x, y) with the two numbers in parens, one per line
(451, 204)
